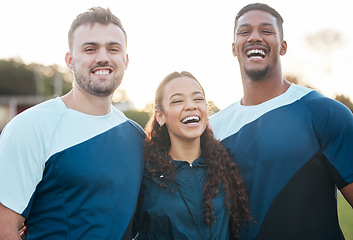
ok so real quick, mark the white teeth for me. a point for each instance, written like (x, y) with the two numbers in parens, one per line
(255, 51)
(102, 72)
(190, 119)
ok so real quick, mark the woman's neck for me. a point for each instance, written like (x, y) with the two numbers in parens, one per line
(185, 150)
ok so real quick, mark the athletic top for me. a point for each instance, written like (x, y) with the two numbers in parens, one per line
(175, 211)
(72, 175)
(291, 150)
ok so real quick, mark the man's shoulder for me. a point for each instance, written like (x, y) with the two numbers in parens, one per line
(137, 127)
(225, 122)
(320, 105)
(39, 115)
(224, 113)
(134, 126)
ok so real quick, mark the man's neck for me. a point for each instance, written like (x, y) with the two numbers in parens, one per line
(262, 90)
(87, 103)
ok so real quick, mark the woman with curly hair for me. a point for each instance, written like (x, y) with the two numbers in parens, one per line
(191, 189)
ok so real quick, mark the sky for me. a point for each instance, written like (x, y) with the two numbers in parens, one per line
(192, 35)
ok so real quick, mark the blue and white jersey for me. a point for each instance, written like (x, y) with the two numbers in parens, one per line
(72, 175)
(292, 152)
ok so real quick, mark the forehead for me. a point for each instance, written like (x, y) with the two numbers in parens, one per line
(256, 18)
(181, 85)
(98, 33)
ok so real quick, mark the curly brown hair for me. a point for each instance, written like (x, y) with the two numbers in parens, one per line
(220, 168)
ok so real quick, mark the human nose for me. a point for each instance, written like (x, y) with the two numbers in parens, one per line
(255, 36)
(102, 56)
(190, 105)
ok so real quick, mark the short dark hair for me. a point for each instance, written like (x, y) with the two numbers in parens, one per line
(262, 7)
(92, 16)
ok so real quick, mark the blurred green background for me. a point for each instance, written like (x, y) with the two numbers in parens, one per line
(345, 215)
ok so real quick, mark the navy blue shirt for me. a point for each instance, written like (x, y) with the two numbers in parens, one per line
(292, 152)
(72, 175)
(165, 215)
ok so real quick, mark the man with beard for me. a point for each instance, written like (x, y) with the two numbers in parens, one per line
(293, 145)
(71, 167)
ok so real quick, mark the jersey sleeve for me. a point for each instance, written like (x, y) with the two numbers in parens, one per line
(335, 124)
(22, 161)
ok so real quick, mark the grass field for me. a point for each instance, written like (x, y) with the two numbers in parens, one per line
(345, 215)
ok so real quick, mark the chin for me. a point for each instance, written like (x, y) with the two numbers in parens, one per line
(257, 74)
(192, 137)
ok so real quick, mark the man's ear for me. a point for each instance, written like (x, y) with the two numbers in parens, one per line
(127, 60)
(234, 50)
(283, 49)
(159, 117)
(68, 60)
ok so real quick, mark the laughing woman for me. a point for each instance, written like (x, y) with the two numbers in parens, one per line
(191, 188)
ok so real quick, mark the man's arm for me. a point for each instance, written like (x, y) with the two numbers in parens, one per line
(10, 224)
(347, 192)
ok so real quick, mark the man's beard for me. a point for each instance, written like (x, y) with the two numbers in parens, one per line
(99, 90)
(258, 74)
(95, 89)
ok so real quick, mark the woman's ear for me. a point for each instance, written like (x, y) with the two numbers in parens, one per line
(159, 117)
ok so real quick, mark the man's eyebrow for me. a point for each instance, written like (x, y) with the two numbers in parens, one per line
(262, 24)
(266, 24)
(114, 43)
(96, 44)
(89, 44)
(244, 25)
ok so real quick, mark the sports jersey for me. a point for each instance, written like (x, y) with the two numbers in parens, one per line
(177, 211)
(291, 151)
(71, 175)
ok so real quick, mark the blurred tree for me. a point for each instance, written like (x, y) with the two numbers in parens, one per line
(296, 80)
(325, 40)
(345, 100)
(149, 108)
(212, 108)
(17, 78)
(120, 95)
(141, 117)
(52, 80)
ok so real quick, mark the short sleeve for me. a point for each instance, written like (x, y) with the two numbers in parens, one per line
(335, 124)
(22, 161)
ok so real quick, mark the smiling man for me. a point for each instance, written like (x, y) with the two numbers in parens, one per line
(72, 166)
(293, 145)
